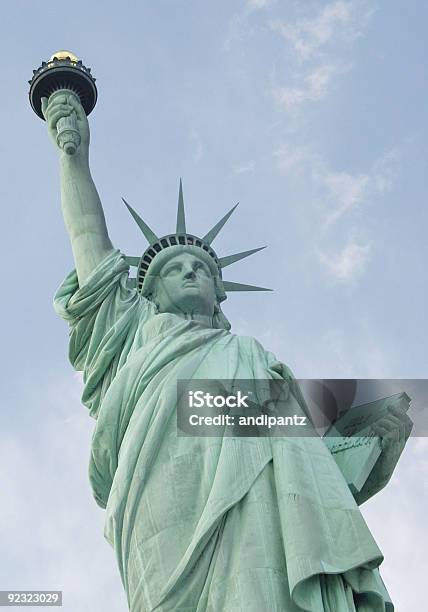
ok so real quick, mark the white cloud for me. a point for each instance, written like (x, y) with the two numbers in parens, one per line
(292, 158)
(258, 4)
(345, 190)
(349, 263)
(355, 350)
(335, 194)
(336, 21)
(338, 190)
(245, 168)
(386, 169)
(239, 28)
(311, 87)
(317, 44)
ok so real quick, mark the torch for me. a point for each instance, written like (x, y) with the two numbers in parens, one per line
(63, 74)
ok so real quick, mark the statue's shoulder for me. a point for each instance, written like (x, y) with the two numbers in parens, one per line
(256, 348)
(249, 341)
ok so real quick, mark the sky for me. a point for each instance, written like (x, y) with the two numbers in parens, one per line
(311, 115)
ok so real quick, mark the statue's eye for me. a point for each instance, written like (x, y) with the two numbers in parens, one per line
(172, 269)
(199, 266)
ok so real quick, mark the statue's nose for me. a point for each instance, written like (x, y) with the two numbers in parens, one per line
(189, 272)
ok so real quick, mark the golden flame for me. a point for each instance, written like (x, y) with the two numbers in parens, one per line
(62, 55)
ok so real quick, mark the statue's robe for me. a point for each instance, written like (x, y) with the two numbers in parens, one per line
(199, 524)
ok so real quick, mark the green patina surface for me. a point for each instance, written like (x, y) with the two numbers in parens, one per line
(200, 524)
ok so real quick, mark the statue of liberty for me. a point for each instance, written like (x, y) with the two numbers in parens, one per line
(200, 524)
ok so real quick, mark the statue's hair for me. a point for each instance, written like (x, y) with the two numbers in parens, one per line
(149, 286)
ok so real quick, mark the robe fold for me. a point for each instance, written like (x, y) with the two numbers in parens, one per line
(198, 524)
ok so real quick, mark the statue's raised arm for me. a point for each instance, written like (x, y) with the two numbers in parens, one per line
(81, 205)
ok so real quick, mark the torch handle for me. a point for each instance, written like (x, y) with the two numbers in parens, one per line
(68, 135)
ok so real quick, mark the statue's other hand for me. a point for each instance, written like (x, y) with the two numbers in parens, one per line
(62, 106)
(393, 430)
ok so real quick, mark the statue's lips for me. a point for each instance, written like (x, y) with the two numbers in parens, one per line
(190, 284)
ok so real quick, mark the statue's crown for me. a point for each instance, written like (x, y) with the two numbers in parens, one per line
(182, 237)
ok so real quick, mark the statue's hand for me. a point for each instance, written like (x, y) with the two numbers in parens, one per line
(62, 106)
(393, 430)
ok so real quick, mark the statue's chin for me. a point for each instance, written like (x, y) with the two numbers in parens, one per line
(189, 307)
(188, 301)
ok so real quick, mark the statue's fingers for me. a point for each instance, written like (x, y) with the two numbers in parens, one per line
(393, 436)
(396, 434)
(397, 430)
(383, 422)
(56, 106)
(394, 421)
(406, 422)
(398, 412)
(390, 439)
(53, 101)
(56, 116)
(380, 429)
(65, 109)
(77, 107)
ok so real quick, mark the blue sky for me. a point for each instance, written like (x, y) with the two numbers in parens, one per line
(313, 116)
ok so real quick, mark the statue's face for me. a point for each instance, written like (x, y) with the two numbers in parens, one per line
(185, 285)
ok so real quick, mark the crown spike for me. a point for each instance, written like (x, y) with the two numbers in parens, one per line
(148, 233)
(181, 219)
(230, 286)
(209, 237)
(230, 259)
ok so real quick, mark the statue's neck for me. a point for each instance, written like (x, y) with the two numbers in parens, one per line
(204, 320)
